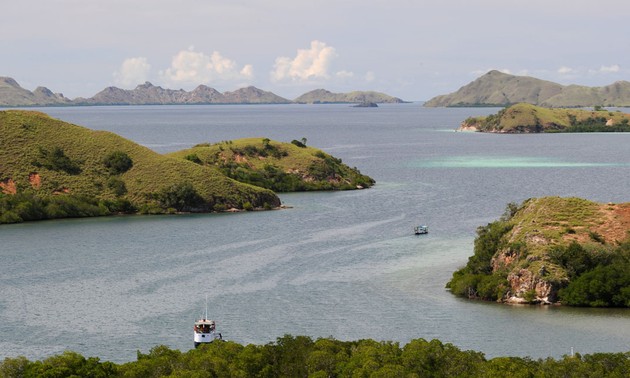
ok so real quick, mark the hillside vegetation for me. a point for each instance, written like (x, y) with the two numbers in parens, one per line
(527, 118)
(282, 167)
(499, 89)
(552, 250)
(53, 169)
(300, 356)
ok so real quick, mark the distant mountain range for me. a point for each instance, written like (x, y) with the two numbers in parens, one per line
(149, 94)
(499, 89)
(12, 94)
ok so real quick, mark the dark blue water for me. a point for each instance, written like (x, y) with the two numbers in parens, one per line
(341, 264)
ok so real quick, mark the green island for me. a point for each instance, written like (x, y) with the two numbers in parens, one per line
(281, 167)
(551, 250)
(527, 118)
(52, 169)
(300, 356)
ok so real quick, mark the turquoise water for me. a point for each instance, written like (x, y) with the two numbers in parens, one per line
(505, 162)
(341, 264)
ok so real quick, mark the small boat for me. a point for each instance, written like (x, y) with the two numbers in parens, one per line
(205, 330)
(420, 230)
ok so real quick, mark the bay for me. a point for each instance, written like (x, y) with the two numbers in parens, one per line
(340, 264)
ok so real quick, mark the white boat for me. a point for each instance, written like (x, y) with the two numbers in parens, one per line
(422, 229)
(205, 330)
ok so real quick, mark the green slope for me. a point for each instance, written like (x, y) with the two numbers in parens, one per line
(526, 118)
(48, 159)
(282, 167)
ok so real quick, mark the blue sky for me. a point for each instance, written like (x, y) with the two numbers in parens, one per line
(410, 49)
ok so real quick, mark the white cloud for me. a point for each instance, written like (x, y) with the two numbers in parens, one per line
(307, 65)
(610, 69)
(344, 74)
(564, 70)
(193, 67)
(248, 71)
(132, 71)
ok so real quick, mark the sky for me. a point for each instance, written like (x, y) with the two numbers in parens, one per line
(411, 49)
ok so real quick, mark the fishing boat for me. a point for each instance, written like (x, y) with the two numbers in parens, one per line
(205, 330)
(422, 229)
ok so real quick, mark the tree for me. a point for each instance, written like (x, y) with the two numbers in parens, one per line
(298, 143)
(181, 197)
(118, 162)
(265, 143)
(56, 160)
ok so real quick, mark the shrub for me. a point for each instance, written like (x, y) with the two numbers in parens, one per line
(194, 158)
(56, 160)
(604, 286)
(117, 186)
(597, 237)
(181, 197)
(118, 162)
(298, 143)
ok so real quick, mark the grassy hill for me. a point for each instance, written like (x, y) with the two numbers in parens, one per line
(527, 118)
(282, 167)
(51, 169)
(499, 89)
(550, 250)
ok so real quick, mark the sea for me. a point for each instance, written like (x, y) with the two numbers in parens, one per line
(340, 264)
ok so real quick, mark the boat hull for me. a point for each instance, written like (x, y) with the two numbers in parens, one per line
(205, 338)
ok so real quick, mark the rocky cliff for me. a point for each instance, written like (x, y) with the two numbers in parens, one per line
(544, 246)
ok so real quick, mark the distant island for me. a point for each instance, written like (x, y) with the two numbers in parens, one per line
(552, 250)
(322, 96)
(13, 95)
(526, 118)
(499, 89)
(53, 169)
(366, 105)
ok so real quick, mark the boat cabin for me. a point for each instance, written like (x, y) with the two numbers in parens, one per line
(204, 326)
(422, 229)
